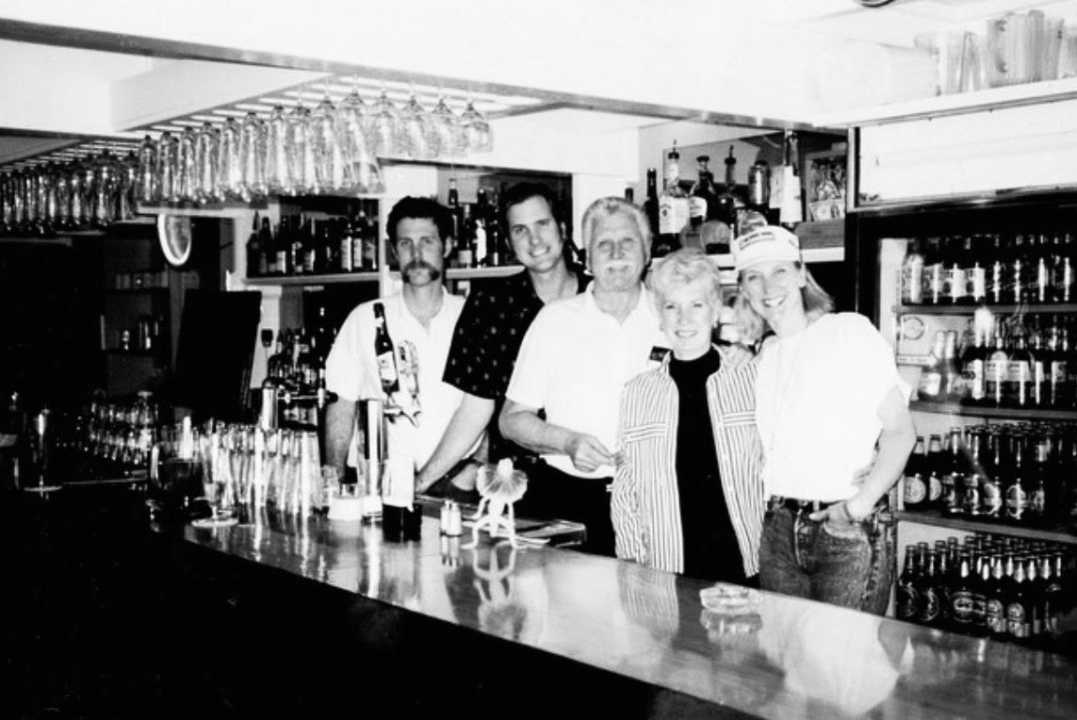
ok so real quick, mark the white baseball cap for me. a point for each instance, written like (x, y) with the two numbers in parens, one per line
(769, 242)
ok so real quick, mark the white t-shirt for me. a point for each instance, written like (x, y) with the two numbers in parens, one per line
(351, 370)
(817, 399)
(575, 360)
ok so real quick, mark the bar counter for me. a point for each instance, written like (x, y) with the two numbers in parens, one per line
(114, 617)
(779, 657)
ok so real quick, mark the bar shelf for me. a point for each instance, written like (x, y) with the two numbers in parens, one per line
(934, 517)
(372, 276)
(952, 408)
(1044, 308)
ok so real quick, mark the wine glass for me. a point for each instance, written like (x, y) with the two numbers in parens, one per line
(385, 127)
(363, 174)
(413, 135)
(276, 165)
(445, 136)
(477, 131)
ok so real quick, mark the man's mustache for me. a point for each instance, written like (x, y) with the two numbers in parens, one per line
(419, 264)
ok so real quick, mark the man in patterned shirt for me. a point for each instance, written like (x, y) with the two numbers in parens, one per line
(489, 332)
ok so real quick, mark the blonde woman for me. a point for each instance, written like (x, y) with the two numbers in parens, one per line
(829, 402)
(687, 496)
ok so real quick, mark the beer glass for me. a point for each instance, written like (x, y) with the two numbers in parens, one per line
(276, 165)
(477, 131)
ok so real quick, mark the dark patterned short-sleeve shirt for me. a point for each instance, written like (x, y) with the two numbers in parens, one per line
(489, 332)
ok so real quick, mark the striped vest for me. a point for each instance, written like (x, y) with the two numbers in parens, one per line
(645, 506)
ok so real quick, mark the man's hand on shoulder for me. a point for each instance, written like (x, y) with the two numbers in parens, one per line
(587, 452)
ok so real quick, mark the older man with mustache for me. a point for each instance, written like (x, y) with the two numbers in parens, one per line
(420, 321)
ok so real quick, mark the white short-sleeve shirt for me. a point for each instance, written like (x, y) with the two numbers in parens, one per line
(575, 360)
(818, 394)
(351, 370)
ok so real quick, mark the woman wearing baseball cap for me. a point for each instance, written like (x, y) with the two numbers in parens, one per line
(829, 402)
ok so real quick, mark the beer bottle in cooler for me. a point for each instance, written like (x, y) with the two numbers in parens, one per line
(927, 590)
(934, 470)
(1034, 597)
(962, 596)
(1037, 508)
(995, 603)
(1050, 567)
(970, 490)
(385, 353)
(1017, 269)
(914, 481)
(1062, 276)
(912, 274)
(992, 483)
(1017, 391)
(908, 598)
(1039, 275)
(975, 271)
(954, 285)
(1037, 347)
(981, 576)
(973, 359)
(1017, 614)
(954, 478)
(1014, 489)
(1056, 365)
(953, 384)
(995, 368)
(934, 269)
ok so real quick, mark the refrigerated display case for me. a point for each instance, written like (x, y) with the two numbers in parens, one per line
(983, 325)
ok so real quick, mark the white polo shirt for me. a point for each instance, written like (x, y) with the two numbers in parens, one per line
(351, 370)
(575, 360)
(817, 399)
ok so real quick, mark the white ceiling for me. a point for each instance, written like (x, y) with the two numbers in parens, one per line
(785, 60)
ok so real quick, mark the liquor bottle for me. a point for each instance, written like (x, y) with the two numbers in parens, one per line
(385, 353)
(995, 368)
(914, 484)
(1017, 272)
(927, 589)
(297, 235)
(996, 271)
(1040, 271)
(1015, 491)
(995, 603)
(975, 272)
(465, 243)
(912, 274)
(650, 204)
(953, 480)
(930, 386)
(1017, 391)
(283, 245)
(453, 201)
(369, 242)
(973, 377)
(309, 240)
(255, 252)
(954, 285)
(962, 597)
(703, 203)
(933, 272)
(727, 201)
(1062, 278)
(480, 247)
(346, 253)
(672, 206)
(1056, 365)
(908, 598)
(934, 470)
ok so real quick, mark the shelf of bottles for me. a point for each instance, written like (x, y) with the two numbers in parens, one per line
(1016, 478)
(297, 364)
(1007, 588)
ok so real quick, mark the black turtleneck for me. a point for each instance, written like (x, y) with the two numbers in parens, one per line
(710, 546)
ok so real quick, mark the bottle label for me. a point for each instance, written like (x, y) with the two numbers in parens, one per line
(929, 606)
(949, 500)
(953, 284)
(1043, 281)
(997, 284)
(1016, 620)
(346, 256)
(1017, 289)
(995, 615)
(907, 602)
(1037, 501)
(934, 487)
(672, 214)
(963, 606)
(995, 368)
(697, 207)
(387, 369)
(1016, 502)
(991, 498)
(933, 283)
(970, 499)
(976, 280)
(914, 489)
(912, 281)
(1018, 371)
(975, 379)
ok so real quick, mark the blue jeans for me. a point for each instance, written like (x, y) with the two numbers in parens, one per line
(847, 564)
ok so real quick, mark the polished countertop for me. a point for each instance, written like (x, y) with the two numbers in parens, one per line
(766, 655)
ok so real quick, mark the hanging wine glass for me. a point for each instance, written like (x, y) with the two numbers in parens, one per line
(414, 130)
(147, 191)
(328, 159)
(300, 157)
(478, 135)
(229, 171)
(51, 202)
(7, 206)
(363, 174)
(186, 172)
(277, 167)
(74, 183)
(165, 164)
(126, 190)
(63, 195)
(386, 128)
(103, 190)
(446, 137)
(252, 156)
(205, 153)
(32, 214)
